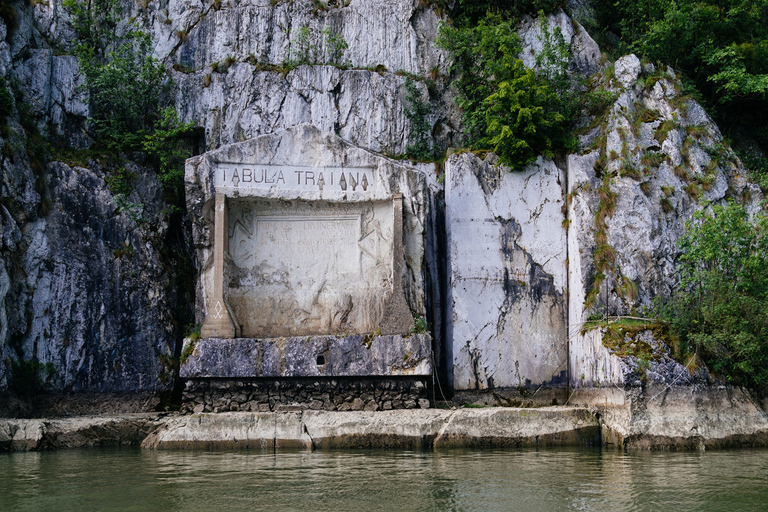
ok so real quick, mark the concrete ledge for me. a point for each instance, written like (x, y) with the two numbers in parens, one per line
(311, 356)
(390, 429)
(49, 434)
(694, 417)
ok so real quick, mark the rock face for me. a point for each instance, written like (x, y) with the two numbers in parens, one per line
(507, 273)
(87, 282)
(654, 159)
(86, 290)
(234, 64)
(317, 356)
(678, 417)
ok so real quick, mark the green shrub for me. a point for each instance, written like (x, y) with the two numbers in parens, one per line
(124, 81)
(721, 306)
(718, 47)
(509, 108)
(335, 46)
(28, 378)
(302, 50)
(166, 145)
(416, 111)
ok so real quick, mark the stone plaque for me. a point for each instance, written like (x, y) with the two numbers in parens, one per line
(309, 267)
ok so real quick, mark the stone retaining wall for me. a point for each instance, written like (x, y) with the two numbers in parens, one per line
(218, 395)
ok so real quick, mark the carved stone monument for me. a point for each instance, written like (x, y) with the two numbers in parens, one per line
(304, 265)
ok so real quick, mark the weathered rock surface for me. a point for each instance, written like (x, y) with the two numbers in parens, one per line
(653, 160)
(49, 434)
(507, 273)
(85, 288)
(337, 356)
(678, 417)
(293, 149)
(219, 50)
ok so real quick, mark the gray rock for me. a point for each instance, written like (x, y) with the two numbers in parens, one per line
(357, 404)
(627, 70)
(507, 246)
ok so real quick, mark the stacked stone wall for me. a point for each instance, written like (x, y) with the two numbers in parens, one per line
(263, 395)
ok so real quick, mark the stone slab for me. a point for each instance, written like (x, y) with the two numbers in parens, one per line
(507, 243)
(300, 233)
(299, 268)
(328, 356)
(48, 434)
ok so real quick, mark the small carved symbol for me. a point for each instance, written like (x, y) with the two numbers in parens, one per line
(236, 179)
(321, 182)
(343, 182)
(364, 183)
(218, 310)
(352, 182)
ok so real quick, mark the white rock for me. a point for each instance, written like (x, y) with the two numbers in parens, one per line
(627, 70)
(507, 249)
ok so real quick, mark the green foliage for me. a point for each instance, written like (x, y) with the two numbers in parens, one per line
(119, 181)
(165, 145)
(302, 49)
(478, 54)
(124, 81)
(519, 122)
(126, 86)
(335, 45)
(469, 12)
(9, 15)
(721, 309)
(720, 48)
(420, 325)
(28, 378)
(417, 110)
(758, 170)
(509, 108)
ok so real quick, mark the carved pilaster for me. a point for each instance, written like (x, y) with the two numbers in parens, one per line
(219, 321)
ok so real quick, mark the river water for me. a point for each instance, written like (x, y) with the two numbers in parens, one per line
(527, 480)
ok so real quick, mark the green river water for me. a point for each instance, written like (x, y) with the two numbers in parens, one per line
(526, 480)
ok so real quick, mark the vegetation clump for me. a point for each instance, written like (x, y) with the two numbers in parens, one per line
(721, 308)
(718, 47)
(508, 108)
(416, 111)
(127, 88)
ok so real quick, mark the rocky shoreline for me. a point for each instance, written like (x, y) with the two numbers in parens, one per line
(668, 418)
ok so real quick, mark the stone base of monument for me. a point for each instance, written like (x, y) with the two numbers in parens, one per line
(355, 372)
(292, 394)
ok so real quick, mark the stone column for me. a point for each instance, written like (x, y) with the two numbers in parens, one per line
(219, 322)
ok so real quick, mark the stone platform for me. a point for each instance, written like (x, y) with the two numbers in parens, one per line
(356, 372)
(310, 356)
(424, 429)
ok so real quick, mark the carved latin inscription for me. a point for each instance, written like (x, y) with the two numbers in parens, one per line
(301, 267)
(329, 241)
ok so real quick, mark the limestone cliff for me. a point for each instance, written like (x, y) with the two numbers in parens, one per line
(96, 281)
